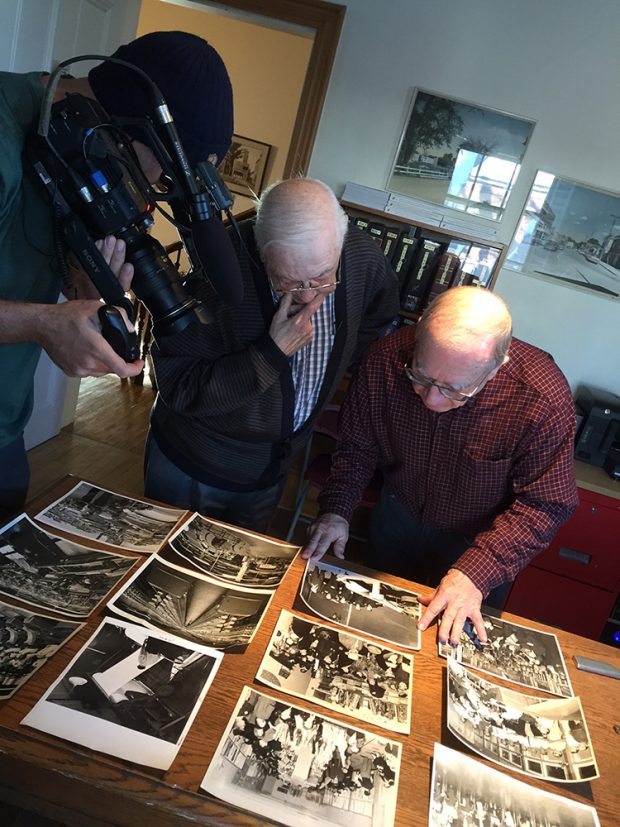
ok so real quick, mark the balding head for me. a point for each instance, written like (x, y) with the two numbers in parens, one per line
(469, 321)
(299, 214)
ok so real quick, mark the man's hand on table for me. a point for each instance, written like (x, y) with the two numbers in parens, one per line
(328, 530)
(455, 599)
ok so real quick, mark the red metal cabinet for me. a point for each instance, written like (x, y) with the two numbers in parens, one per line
(574, 583)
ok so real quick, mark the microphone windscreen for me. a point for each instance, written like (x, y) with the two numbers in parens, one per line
(218, 259)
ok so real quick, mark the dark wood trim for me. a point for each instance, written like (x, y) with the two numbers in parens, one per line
(326, 19)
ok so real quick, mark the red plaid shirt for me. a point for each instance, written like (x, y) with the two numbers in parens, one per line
(499, 468)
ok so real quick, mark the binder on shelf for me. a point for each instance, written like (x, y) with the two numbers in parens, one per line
(445, 272)
(421, 274)
(403, 256)
(360, 222)
(376, 230)
(392, 234)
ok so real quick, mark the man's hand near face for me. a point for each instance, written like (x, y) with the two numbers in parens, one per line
(291, 326)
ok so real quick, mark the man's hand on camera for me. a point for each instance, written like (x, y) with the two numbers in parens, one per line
(291, 326)
(328, 530)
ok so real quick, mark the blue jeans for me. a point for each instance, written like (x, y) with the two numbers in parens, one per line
(14, 478)
(164, 481)
(400, 544)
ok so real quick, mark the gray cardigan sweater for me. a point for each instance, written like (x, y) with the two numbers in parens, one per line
(224, 410)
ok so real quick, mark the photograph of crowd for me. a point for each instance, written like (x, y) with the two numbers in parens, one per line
(102, 515)
(129, 693)
(190, 605)
(27, 641)
(467, 793)
(362, 603)
(232, 554)
(302, 769)
(340, 671)
(49, 572)
(541, 737)
(517, 653)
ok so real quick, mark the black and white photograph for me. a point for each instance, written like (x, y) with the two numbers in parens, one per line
(516, 653)
(232, 554)
(461, 155)
(570, 232)
(466, 792)
(362, 603)
(191, 606)
(27, 641)
(340, 671)
(244, 166)
(102, 515)
(303, 769)
(53, 573)
(541, 737)
(129, 692)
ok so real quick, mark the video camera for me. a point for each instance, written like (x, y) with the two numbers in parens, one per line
(85, 159)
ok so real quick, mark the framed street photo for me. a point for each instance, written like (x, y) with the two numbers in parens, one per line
(460, 155)
(570, 232)
(243, 168)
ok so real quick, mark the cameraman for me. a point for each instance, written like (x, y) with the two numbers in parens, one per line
(195, 84)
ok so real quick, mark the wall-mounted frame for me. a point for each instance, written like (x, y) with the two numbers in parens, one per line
(244, 166)
(569, 231)
(460, 155)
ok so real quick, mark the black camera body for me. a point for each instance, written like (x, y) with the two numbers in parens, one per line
(88, 166)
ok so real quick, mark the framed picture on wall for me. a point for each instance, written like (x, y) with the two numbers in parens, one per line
(460, 155)
(571, 232)
(243, 168)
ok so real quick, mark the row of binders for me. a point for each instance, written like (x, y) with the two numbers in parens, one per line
(425, 264)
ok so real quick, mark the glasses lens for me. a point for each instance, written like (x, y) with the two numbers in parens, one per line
(423, 382)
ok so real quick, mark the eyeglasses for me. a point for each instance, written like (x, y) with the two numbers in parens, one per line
(450, 393)
(307, 286)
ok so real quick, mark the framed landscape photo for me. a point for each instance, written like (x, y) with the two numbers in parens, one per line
(571, 232)
(243, 168)
(460, 155)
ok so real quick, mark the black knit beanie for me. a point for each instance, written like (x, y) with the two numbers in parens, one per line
(190, 75)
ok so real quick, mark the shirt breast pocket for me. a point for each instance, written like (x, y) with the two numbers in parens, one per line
(482, 480)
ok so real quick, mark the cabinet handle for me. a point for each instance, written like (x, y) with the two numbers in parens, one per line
(577, 556)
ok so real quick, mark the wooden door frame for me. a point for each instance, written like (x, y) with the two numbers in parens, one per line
(326, 19)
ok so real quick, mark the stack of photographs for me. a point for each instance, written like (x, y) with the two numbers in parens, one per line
(302, 769)
(213, 586)
(102, 515)
(130, 693)
(362, 603)
(340, 671)
(466, 792)
(516, 653)
(543, 738)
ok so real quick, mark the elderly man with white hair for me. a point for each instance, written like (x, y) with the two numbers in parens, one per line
(473, 431)
(238, 397)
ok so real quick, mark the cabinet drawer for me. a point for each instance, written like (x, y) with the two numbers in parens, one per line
(587, 547)
(558, 601)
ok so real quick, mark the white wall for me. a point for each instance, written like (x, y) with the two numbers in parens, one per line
(556, 62)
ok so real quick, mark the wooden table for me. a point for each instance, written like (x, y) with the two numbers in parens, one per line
(87, 789)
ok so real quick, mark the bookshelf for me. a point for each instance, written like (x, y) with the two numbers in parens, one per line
(427, 258)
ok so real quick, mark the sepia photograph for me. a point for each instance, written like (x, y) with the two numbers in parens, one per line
(541, 737)
(516, 653)
(99, 514)
(570, 232)
(303, 769)
(466, 792)
(458, 154)
(340, 671)
(232, 554)
(52, 573)
(27, 641)
(191, 606)
(362, 603)
(129, 692)
(244, 166)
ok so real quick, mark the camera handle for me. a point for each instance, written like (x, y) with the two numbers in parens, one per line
(114, 331)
